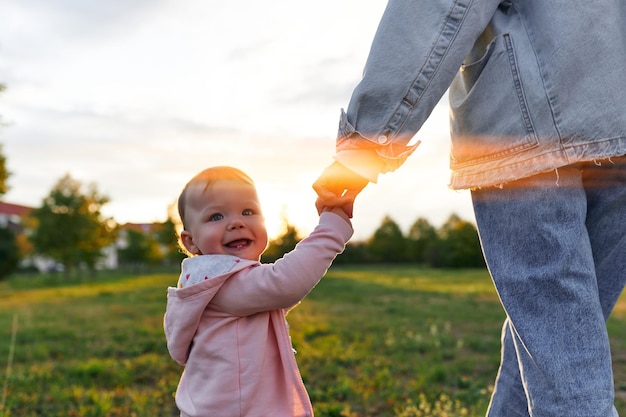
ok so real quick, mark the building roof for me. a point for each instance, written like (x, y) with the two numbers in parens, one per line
(9, 209)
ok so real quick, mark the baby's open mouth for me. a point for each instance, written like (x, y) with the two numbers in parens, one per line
(238, 244)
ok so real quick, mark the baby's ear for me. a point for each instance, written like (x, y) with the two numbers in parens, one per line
(187, 240)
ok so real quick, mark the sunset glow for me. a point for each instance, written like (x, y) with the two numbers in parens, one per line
(138, 97)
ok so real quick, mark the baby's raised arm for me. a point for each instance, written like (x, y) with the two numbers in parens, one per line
(338, 211)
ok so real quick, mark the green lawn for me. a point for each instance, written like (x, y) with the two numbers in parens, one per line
(372, 341)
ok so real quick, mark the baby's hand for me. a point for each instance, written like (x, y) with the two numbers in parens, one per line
(340, 211)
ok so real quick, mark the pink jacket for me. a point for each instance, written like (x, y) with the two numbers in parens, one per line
(230, 330)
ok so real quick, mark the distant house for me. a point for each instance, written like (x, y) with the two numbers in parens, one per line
(11, 216)
(150, 229)
(145, 228)
(110, 259)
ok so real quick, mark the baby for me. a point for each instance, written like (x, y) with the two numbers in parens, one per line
(226, 320)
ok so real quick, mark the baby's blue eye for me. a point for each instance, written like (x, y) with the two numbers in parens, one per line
(248, 212)
(215, 217)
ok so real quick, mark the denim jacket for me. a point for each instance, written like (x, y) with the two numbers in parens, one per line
(533, 85)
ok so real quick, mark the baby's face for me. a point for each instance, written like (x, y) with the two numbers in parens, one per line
(226, 219)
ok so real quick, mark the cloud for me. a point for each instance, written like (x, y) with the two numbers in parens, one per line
(74, 20)
(139, 96)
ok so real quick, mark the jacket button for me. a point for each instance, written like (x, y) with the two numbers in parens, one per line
(382, 139)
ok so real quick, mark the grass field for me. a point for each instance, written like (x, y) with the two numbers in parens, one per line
(372, 342)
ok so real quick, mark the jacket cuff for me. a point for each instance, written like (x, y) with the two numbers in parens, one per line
(366, 163)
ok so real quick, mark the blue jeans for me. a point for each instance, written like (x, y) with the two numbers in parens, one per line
(555, 244)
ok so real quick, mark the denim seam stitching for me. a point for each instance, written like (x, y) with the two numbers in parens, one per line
(425, 75)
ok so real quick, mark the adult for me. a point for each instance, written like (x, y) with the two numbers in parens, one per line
(538, 128)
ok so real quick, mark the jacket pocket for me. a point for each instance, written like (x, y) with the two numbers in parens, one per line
(489, 112)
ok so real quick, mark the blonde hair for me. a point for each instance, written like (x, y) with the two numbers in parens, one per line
(206, 179)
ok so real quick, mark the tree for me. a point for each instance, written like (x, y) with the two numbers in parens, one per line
(167, 237)
(141, 249)
(422, 242)
(69, 226)
(282, 244)
(459, 244)
(4, 174)
(388, 243)
(9, 254)
(354, 252)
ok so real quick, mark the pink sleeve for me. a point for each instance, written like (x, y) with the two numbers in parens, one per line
(287, 281)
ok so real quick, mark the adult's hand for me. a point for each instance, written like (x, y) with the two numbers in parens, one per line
(338, 186)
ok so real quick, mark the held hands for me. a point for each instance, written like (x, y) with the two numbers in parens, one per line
(338, 186)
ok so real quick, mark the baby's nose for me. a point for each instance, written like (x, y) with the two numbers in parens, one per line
(236, 224)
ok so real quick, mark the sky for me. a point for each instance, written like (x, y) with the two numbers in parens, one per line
(138, 96)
